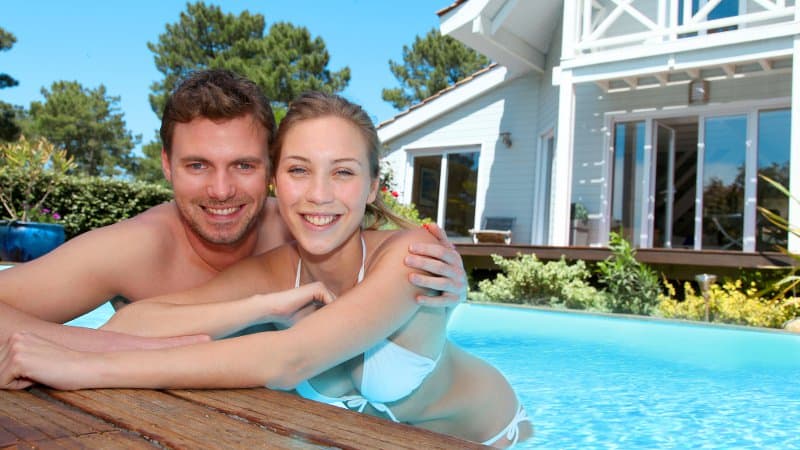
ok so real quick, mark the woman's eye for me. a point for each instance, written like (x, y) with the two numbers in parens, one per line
(297, 170)
(344, 172)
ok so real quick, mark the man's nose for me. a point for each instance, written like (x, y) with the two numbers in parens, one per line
(221, 186)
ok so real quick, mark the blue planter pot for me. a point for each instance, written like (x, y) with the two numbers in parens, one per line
(24, 241)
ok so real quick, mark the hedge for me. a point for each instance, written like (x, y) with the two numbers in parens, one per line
(85, 203)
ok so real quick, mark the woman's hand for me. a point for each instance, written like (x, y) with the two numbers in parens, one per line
(27, 358)
(448, 280)
(289, 306)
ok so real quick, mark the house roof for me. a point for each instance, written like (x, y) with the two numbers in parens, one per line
(440, 93)
(443, 101)
(447, 9)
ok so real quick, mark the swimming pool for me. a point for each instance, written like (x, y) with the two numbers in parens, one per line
(592, 381)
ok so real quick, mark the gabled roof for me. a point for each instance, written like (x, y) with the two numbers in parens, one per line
(443, 101)
(447, 9)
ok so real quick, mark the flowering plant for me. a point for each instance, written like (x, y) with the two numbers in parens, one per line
(44, 215)
(40, 164)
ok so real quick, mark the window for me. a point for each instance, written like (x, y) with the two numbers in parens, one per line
(444, 190)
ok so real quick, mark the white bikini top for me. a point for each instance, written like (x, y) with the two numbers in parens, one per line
(390, 372)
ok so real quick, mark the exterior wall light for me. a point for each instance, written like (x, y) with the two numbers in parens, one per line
(506, 138)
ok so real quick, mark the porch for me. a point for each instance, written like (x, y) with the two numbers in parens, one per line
(675, 264)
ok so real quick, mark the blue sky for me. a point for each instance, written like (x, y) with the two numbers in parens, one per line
(105, 42)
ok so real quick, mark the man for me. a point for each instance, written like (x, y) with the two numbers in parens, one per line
(216, 129)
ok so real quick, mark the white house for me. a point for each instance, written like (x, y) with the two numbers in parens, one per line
(655, 116)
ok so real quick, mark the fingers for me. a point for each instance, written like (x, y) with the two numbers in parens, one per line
(439, 234)
(441, 301)
(436, 251)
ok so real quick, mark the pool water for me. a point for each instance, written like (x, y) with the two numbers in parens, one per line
(594, 381)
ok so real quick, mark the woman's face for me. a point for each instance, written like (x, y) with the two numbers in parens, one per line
(323, 182)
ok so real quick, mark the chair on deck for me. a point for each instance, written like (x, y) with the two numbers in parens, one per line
(495, 230)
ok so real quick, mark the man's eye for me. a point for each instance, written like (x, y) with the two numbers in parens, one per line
(246, 166)
(196, 166)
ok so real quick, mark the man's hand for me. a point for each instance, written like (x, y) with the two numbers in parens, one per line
(443, 261)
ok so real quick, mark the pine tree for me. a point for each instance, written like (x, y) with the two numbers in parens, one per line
(430, 65)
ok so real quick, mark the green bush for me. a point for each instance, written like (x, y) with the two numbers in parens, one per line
(85, 203)
(729, 303)
(408, 212)
(525, 279)
(631, 287)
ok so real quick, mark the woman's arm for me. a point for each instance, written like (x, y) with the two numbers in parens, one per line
(229, 302)
(371, 311)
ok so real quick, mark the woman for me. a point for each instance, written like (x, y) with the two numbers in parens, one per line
(373, 349)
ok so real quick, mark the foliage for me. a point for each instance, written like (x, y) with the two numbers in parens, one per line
(631, 287)
(7, 41)
(579, 212)
(792, 279)
(147, 168)
(408, 212)
(37, 165)
(729, 303)
(87, 123)
(10, 116)
(85, 203)
(430, 65)
(284, 62)
(526, 279)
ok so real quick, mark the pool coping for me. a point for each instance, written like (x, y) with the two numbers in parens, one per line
(694, 323)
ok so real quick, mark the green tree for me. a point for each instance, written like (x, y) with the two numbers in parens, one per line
(87, 123)
(7, 41)
(148, 167)
(284, 62)
(430, 65)
(9, 129)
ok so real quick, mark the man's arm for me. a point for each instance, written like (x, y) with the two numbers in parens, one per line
(444, 262)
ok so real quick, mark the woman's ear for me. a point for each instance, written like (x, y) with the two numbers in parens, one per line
(373, 191)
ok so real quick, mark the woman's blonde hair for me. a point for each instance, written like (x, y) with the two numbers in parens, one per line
(314, 105)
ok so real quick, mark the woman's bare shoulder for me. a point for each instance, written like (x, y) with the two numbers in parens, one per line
(396, 241)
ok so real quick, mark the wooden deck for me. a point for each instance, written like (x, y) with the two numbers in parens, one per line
(208, 419)
(674, 263)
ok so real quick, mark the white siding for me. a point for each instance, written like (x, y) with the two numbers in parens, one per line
(505, 181)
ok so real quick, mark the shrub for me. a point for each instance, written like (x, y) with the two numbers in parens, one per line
(408, 212)
(85, 203)
(729, 303)
(631, 287)
(526, 279)
(36, 166)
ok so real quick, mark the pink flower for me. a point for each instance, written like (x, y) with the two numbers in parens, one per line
(384, 188)
(56, 216)
(395, 194)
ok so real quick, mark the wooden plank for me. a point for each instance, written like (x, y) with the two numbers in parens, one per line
(114, 440)
(688, 257)
(26, 418)
(325, 424)
(175, 423)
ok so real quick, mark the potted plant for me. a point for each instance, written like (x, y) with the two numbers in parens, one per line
(579, 224)
(30, 229)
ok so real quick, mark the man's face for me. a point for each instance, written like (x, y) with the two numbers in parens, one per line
(218, 172)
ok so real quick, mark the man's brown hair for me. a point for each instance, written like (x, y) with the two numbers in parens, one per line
(217, 95)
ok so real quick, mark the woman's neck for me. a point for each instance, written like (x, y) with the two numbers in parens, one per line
(338, 270)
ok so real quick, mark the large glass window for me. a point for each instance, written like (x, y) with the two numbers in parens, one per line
(723, 182)
(773, 162)
(626, 203)
(458, 189)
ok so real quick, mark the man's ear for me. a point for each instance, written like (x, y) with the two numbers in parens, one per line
(165, 166)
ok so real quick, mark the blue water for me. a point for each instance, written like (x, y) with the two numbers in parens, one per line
(592, 381)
